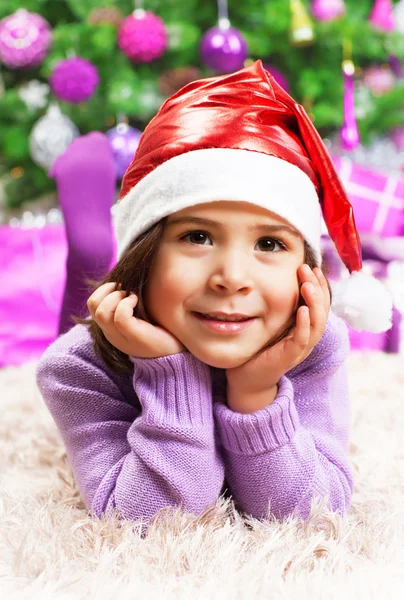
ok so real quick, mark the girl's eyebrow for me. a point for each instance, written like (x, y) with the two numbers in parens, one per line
(253, 228)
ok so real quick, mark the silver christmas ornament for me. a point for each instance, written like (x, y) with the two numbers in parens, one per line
(51, 136)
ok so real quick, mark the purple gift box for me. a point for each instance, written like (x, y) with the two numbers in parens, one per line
(388, 341)
(377, 199)
(364, 340)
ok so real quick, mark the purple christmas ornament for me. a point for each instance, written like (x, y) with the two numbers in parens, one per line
(124, 141)
(223, 49)
(74, 80)
(25, 39)
(396, 66)
(397, 137)
(327, 10)
(278, 76)
(142, 36)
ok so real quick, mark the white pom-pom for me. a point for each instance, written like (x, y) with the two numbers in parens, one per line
(363, 302)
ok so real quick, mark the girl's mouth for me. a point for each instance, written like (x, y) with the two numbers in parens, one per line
(223, 324)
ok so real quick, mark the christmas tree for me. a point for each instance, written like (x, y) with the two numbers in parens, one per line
(122, 87)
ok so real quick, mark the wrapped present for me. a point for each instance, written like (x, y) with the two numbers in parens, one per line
(391, 273)
(377, 199)
(395, 283)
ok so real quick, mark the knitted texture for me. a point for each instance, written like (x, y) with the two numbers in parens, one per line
(165, 437)
(296, 448)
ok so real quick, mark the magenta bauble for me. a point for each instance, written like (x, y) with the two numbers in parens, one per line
(74, 80)
(142, 37)
(223, 49)
(25, 39)
(382, 16)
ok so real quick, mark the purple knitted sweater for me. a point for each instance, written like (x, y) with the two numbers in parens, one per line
(165, 437)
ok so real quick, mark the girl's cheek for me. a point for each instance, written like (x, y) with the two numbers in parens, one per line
(284, 294)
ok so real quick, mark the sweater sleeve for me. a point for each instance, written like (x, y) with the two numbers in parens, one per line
(136, 463)
(281, 457)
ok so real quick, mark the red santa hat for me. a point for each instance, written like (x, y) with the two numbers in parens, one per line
(242, 137)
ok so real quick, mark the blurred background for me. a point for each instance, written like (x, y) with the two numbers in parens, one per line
(72, 67)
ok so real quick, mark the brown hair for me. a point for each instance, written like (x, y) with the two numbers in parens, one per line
(131, 274)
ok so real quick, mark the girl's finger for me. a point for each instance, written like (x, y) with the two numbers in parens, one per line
(324, 287)
(318, 315)
(306, 274)
(301, 333)
(130, 326)
(150, 336)
(100, 293)
(104, 313)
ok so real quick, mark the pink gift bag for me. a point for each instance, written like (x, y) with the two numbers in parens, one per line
(32, 280)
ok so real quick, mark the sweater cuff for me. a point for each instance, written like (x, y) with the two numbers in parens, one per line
(262, 431)
(174, 389)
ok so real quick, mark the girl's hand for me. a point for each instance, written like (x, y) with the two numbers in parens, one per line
(113, 312)
(256, 376)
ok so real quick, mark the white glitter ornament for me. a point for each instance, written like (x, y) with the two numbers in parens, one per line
(51, 136)
(381, 155)
(399, 16)
(363, 100)
(34, 94)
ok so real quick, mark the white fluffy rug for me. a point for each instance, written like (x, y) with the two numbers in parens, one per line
(50, 548)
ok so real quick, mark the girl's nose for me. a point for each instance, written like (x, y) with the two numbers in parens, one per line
(231, 274)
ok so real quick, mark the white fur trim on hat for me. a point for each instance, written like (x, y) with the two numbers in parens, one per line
(363, 302)
(215, 174)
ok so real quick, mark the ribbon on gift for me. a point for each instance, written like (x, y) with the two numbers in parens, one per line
(377, 199)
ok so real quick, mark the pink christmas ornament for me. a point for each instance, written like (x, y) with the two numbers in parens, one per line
(278, 76)
(25, 39)
(382, 16)
(327, 10)
(380, 79)
(74, 80)
(142, 36)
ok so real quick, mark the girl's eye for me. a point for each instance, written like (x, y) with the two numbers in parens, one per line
(197, 237)
(270, 245)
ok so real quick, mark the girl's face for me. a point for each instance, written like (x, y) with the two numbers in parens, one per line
(232, 258)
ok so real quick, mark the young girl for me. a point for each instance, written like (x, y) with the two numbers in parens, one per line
(211, 362)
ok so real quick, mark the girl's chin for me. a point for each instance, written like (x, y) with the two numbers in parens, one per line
(220, 361)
